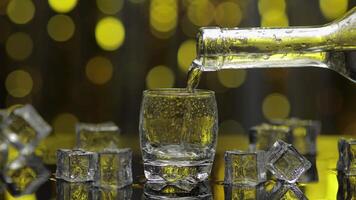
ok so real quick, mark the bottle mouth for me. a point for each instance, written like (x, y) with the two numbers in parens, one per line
(209, 42)
(200, 43)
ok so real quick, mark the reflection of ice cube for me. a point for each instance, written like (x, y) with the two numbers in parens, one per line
(244, 167)
(347, 186)
(114, 168)
(74, 190)
(25, 175)
(96, 137)
(113, 193)
(284, 161)
(304, 133)
(244, 192)
(347, 156)
(263, 136)
(287, 191)
(201, 191)
(76, 165)
(24, 128)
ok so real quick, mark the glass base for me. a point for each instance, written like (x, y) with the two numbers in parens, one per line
(184, 175)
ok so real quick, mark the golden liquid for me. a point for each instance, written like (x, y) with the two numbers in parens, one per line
(193, 77)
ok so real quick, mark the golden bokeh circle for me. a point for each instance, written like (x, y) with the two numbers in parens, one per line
(20, 11)
(99, 70)
(265, 6)
(3, 6)
(186, 54)
(201, 12)
(110, 7)
(19, 46)
(228, 14)
(60, 28)
(232, 78)
(276, 106)
(19, 83)
(333, 9)
(274, 18)
(65, 123)
(62, 6)
(110, 33)
(231, 127)
(163, 18)
(160, 77)
(137, 1)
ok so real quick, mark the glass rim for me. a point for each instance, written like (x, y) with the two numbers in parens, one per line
(178, 92)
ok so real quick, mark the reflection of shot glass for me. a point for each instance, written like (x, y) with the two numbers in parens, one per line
(178, 131)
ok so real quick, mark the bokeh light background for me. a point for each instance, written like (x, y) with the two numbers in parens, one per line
(90, 60)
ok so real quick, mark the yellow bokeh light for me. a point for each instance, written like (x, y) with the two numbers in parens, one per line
(231, 127)
(110, 7)
(332, 9)
(232, 78)
(214, 84)
(8, 196)
(228, 14)
(62, 6)
(20, 11)
(201, 12)
(110, 33)
(65, 123)
(19, 46)
(276, 106)
(186, 54)
(265, 6)
(160, 77)
(19, 83)
(137, 1)
(163, 18)
(60, 28)
(188, 28)
(274, 18)
(3, 6)
(99, 70)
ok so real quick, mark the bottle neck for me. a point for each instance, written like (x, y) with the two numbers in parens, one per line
(219, 41)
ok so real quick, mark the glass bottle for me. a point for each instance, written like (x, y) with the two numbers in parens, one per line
(319, 46)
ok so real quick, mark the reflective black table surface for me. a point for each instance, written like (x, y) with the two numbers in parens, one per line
(323, 179)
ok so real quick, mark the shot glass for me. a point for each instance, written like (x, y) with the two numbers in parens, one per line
(178, 133)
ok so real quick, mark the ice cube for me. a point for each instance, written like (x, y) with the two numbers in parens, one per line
(74, 190)
(114, 168)
(263, 136)
(288, 191)
(244, 167)
(76, 165)
(3, 116)
(113, 193)
(97, 137)
(347, 156)
(311, 175)
(4, 149)
(25, 128)
(284, 161)
(25, 175)
(304, 133)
